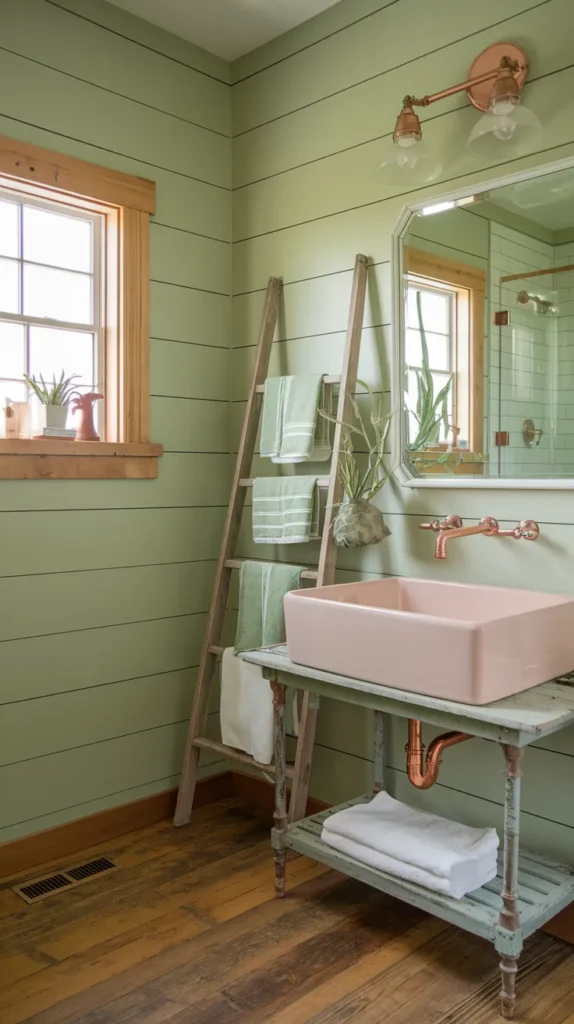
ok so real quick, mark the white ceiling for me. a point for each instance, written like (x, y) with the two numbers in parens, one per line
(546, 200)
(228, 28)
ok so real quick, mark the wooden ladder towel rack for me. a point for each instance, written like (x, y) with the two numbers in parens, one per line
(325, 573)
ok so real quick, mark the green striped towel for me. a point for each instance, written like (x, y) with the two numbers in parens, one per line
(285, 510)
(262, 587)
(292, 429)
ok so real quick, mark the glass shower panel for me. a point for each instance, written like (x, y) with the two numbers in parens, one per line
(524, 377)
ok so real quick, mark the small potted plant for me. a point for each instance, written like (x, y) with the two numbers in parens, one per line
(54, 398)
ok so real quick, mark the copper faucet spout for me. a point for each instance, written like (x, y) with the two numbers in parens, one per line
(422, 775)
(460, 531)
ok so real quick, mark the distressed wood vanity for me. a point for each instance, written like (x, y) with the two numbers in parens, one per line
(529, 889)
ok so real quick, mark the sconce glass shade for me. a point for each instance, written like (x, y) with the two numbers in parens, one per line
(506, 129)
(407, 161)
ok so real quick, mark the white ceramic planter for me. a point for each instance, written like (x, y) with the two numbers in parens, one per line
(55, 416)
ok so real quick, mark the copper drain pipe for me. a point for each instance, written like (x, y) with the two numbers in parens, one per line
(424, 776)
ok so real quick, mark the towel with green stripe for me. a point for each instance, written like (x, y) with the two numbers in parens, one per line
(292, 427)
(285, 510)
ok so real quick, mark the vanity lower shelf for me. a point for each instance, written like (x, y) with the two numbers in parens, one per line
(544, 887)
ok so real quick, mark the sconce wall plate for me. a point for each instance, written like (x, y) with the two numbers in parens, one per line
(479, 95)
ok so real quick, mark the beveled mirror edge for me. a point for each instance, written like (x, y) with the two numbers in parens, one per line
(402, 471)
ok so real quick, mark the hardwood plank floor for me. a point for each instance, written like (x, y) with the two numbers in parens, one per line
(187, 930)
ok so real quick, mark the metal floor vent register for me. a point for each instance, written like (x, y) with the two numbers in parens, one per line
(37, 889)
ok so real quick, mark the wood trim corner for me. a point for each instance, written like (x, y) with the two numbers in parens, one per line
(252, 789)
(20, 855)
(426, 264)
(134, 326)
(30, 164)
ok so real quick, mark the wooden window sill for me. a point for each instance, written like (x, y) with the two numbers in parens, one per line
(53, 459)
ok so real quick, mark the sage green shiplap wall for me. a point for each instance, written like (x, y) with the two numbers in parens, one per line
(104, 586)
(309, 114)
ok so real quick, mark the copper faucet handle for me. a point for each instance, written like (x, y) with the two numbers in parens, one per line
(527, 529)
(494, 530)
(450, 523)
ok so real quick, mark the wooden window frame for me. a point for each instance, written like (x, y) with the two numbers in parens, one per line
(126, 203)
(470, 283)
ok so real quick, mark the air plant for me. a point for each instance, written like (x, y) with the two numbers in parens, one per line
(430, 411)
(59, 392)
(356, 484)
(358, 522)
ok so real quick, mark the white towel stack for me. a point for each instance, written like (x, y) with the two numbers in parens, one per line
(419, 847)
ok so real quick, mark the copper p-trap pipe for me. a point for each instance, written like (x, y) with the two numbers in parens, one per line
(424, 776)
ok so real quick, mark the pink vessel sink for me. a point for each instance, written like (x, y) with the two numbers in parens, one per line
(451, 640)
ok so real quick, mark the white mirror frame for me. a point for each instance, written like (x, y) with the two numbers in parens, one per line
(402, 472)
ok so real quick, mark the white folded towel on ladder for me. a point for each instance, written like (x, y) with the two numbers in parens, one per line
(419, 847)
(246, 708)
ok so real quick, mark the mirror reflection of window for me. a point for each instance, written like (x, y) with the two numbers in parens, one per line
(494, 274)
(438, 311)
(452, 300)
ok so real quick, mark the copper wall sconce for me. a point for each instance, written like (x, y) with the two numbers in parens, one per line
(507, 127)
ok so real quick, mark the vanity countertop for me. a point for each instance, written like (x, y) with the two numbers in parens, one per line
(521, 719)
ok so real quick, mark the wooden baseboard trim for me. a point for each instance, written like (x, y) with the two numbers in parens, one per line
(20, 855)
(562, 926)
(258, 792)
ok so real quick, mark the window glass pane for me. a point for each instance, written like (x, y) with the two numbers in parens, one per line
(9, 286)
(57, 239)
(52, 351)
(57, 294)
(435, 310)
(438, 350)
(439, 381)
(12, 349)
(9, 228)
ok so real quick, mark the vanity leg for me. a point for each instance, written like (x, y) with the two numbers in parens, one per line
(379, 753)
(508, 937)
(280, 814)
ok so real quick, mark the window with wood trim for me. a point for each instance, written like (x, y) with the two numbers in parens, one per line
(74, 283)
(452, 297)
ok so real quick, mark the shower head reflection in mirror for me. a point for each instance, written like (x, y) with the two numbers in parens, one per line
(504, 250)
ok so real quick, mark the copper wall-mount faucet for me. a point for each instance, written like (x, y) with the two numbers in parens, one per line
(451, 528)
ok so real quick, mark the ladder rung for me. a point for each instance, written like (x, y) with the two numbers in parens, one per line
(327, 380)
(235, 563)
(214, 649)
(237, 755)
(322, 481)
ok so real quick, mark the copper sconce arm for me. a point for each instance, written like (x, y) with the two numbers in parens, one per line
(506, 68)
(424, 775)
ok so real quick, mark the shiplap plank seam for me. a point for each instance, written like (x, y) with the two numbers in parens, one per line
(114, 92)
(117, 152)
(316, 42)
(137, 42)
(381, 74)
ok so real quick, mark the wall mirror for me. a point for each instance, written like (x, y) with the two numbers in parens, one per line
(485, 297)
